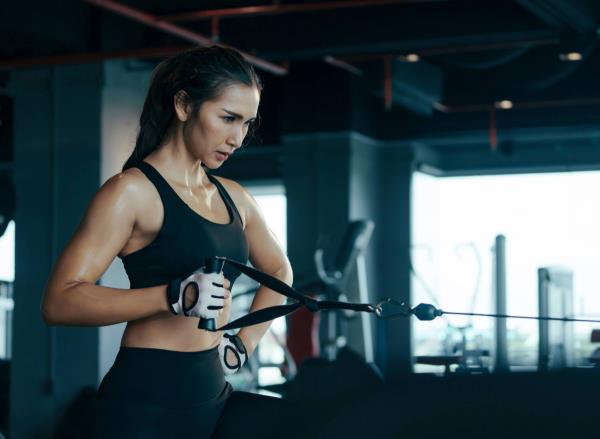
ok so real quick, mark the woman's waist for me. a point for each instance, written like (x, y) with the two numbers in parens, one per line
(172, 333)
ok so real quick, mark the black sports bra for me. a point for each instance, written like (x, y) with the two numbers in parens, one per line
(185, 239)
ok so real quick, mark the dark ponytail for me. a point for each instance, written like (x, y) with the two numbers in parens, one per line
(202, 73)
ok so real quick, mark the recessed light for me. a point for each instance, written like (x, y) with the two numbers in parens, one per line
(504, 105)
(570, 56)
(410, 57)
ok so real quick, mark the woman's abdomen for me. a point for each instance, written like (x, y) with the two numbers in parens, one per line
(174, 333)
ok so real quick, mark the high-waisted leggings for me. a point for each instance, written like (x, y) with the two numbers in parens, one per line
(155, 393)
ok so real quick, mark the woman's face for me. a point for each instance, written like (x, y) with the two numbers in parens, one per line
(220, 126)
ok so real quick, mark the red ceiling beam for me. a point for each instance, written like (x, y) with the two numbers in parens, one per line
(284, 9)
(173, 29)
(387, 83)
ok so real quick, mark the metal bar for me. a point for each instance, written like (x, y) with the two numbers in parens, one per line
(151, 21)
(363, 294)
(543, 337)
(556, 103)
(284, 9)
(343, 65)
(156, 23)
(501, 357)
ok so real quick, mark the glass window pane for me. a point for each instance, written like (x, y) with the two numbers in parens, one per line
(7, 254)
(7, 277)
(548, 220)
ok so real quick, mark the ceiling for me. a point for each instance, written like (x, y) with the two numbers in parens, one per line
(471, 56)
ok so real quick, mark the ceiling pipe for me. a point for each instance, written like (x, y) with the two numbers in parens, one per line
(283, 9)
(343, 65)
(170, 28)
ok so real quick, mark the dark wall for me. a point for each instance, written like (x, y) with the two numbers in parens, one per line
(56, 168)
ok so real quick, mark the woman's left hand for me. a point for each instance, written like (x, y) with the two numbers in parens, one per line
(232, 353)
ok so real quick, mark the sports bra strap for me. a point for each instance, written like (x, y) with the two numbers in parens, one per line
(163, 188)
(225, 195)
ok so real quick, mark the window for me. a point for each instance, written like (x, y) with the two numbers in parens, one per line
(7, 254)
(548, 220)
(7, 277)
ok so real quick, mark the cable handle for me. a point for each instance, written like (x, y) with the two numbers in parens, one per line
(211, 265)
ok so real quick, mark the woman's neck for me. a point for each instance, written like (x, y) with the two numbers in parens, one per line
(178, 166)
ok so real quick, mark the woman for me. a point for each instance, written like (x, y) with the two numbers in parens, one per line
(163, 215)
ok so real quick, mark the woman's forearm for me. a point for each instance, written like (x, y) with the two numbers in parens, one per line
(265, 297)
(87, 304)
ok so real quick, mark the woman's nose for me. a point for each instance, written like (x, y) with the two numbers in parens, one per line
(237, 137)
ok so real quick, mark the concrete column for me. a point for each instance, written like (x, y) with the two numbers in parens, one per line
(57, 158)
(393, 251)
(316, 178)
(331, 179)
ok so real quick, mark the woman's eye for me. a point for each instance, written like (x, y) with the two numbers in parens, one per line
(228, 118)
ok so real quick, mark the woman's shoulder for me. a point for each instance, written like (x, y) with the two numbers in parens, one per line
(130, 181)
(130, 186)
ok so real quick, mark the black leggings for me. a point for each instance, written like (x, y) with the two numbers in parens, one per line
(155, 393)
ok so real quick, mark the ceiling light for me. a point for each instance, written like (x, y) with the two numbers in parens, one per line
(570, 56)
(504, 105)
(410, 57)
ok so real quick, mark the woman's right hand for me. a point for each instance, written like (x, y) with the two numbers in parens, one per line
(199, 295)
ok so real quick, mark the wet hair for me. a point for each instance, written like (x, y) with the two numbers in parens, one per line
(202, 73)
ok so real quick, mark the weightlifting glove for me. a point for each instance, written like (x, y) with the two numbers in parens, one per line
(232, 353)
(205, 296)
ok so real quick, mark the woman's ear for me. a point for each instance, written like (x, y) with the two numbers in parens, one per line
(183, 107)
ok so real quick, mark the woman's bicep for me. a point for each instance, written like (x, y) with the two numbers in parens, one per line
(103, 232)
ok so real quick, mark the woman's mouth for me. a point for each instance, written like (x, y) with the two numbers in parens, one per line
(222, 156)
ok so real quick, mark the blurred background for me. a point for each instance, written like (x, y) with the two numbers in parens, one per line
(437, 151)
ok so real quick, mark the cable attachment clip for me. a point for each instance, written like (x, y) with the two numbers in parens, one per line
(391, 308)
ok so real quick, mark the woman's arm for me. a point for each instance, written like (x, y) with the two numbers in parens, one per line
(266, 255)
(72, 296)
